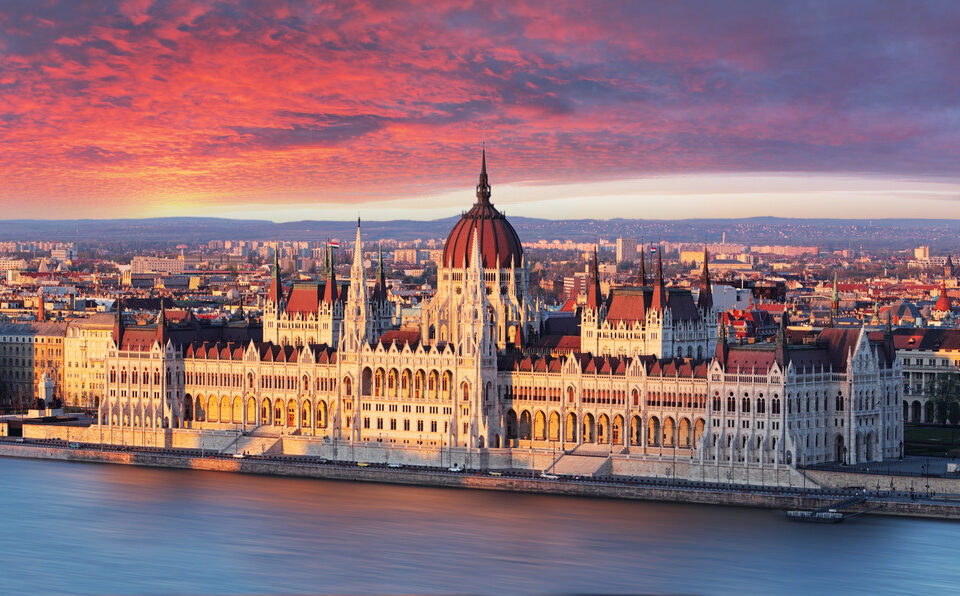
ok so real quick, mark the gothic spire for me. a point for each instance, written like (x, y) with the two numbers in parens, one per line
(162, 325)
(834, 302)
(659, 290)
(276, 284)
(593, 290)
(705, 299)
(381, 278)
(722, 346)
(331, 293)
(356, 318)
(475, 271)
(357, 251)
(118, 322)
(643, 265)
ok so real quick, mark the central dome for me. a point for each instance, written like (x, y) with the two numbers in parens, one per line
(500, 246)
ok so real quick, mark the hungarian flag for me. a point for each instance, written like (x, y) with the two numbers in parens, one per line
(333, 243)
(653, 248)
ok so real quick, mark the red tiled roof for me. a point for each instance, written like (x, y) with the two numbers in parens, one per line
(304, 299)
(401, 337)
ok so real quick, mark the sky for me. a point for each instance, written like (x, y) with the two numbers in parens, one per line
(328, 110)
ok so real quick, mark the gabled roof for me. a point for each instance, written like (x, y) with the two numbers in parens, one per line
(268, 352)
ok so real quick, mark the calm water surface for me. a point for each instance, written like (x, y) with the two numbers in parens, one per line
(88, 528)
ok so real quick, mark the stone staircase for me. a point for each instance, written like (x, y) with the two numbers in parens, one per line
(573, 464)
(260, 441)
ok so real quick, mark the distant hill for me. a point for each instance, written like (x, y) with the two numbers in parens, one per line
(827, 233)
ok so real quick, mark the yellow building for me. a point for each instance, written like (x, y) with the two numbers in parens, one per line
(27, 350)
(85, 348)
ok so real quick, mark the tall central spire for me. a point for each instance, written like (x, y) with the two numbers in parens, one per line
(483, 187)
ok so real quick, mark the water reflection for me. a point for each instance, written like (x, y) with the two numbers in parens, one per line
(84, 528)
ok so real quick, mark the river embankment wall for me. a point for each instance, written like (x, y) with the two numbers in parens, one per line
(276, 467)
(533, 459)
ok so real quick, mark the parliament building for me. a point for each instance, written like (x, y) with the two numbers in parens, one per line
(652, 377)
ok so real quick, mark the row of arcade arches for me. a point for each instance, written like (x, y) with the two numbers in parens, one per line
(540, 426)
(305, 413)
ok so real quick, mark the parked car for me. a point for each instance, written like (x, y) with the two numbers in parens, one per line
(455, 468)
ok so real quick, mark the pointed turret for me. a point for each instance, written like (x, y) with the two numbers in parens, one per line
(659, 301)
(781, 339)
(276, 285)
(118, 323)
(162, 325)
(722, 347)
(331, 293)
(643, 266)
(357, 273)
(705, 299)
(835, 296)
(381, 287)
(594, 297)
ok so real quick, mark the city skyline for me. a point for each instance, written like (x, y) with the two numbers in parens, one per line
(285, 112)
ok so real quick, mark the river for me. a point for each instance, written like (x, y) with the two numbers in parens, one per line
(97, 528)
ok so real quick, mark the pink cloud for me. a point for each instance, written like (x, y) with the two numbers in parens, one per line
(146, 102)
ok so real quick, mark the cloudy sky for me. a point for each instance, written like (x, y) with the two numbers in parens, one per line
(291, 110)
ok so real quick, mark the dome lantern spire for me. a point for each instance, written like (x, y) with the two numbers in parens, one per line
(483, 187)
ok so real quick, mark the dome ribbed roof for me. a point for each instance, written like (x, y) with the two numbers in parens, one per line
(500, 247)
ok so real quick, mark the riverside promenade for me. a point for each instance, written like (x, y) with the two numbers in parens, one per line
(887, 502)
